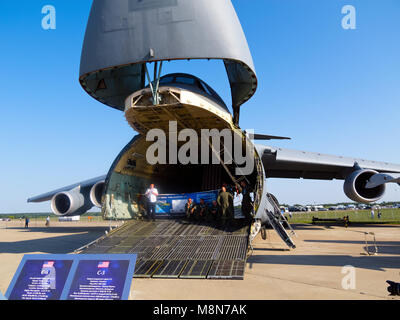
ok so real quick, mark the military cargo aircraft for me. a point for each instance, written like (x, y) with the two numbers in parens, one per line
(123, 38)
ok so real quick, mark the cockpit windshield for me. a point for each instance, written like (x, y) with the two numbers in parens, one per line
(189, 80)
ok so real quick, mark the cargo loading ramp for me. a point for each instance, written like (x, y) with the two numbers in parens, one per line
(179, 248)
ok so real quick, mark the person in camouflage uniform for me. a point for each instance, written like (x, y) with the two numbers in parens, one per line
(225, 203)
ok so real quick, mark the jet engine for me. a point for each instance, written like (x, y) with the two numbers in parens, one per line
(71, 203)
(96, 193)
(355, 187)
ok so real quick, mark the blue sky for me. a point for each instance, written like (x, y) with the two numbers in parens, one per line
(332, 90)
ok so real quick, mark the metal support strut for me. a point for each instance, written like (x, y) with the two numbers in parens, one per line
(155, 84)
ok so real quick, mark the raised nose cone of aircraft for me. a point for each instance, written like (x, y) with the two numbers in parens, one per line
(123, 35)
(183, 98)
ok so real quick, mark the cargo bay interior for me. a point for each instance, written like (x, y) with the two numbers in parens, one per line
(131, 175)
(173, 248)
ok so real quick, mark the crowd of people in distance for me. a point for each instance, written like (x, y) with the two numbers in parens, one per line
(221, 210)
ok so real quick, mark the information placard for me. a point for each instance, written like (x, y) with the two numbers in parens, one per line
(40, 277)
(100, 280)
(73, 277)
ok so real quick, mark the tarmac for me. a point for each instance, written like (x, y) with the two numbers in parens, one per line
(313, 271)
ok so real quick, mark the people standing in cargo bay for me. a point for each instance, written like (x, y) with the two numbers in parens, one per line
(225, 202)
(151, 195)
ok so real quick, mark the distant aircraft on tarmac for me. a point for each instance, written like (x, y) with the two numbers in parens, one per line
(123, 38)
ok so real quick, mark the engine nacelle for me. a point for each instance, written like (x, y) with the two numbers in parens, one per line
(354, 187)
(96, 193)
(69, 203)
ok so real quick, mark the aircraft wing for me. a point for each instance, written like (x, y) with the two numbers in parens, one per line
(47, 196)
(286, 163)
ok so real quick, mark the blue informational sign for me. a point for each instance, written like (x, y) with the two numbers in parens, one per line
(73, 277)
(40, 277)
(174, 204)
(102, 279)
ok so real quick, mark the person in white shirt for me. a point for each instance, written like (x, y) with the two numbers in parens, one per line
(151, 195)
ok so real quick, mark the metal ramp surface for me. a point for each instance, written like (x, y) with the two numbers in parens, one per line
(180, 249)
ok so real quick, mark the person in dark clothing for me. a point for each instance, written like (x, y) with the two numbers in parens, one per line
(247, 204)
(225, 203)
(213, 212)
(26, 222)
(202, 210)
(190, 209)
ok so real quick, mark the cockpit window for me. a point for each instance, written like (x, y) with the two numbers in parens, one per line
(205, 88)
(185, 80)
(167, 79)
(191, 81)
